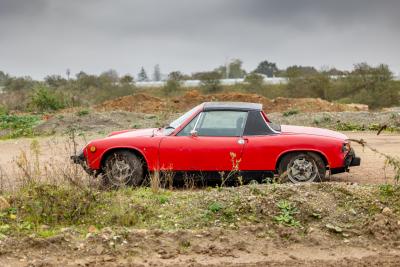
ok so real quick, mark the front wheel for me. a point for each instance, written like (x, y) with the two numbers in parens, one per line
(302, 167)
(123, 168)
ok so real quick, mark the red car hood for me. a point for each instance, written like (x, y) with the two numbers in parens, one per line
(134, 133)
(290, 129)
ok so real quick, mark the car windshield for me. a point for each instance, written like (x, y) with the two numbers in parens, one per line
(176, 123)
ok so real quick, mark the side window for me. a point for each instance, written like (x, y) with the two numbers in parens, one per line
(256, 125)
(221, 123)
(189, 127)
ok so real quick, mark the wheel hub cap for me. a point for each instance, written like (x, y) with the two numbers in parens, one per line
(302, 170)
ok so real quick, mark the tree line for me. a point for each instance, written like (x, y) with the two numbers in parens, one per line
(366, 84)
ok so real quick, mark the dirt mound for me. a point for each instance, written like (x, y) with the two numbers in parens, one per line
(138, 103)
(149, 104)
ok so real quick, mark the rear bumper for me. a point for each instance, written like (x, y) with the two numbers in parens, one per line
(349, 161)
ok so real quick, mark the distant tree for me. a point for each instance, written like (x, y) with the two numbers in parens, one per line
(254, 82)
(55, 81)
(110, 76)
(81, 74)
(157, 73)
(176, 75)
(85, 81)
(297, 71)
(233, 70)
(173, 83)
(267, 68)
(310, 85)
(19, 84)
(142, 76)
(370, 85)
(3, 77)
(210, 82)
(126, 79)
(332, 71)
(68, 72)
(236, 70)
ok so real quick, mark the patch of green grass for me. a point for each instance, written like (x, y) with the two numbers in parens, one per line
(347, 126)
(215, 207)
(18, 125)
(325, 119)
(290, 113)
(163, 199)
(287, 211)
(3, 110)
(386, 190)
(44, 209)
(82, 112)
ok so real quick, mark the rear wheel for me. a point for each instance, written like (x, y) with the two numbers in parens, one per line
(302, 167)
(123, 168)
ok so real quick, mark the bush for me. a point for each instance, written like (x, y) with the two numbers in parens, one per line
(173, 84)
(313, 85)
(43, 99)
(254, 82)
(210, 81)
(373, 86)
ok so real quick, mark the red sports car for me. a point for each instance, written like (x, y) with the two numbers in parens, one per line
(219, 137)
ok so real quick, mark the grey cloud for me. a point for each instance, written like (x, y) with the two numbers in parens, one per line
(39, 37)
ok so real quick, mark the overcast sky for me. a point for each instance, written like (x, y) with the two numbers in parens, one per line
(41, 37)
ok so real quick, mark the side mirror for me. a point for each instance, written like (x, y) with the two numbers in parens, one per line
(193, 133)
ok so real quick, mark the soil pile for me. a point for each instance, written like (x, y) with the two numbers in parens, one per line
(135, 103)
(149, 104)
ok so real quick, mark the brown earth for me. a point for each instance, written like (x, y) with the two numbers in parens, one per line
(213, 247)
(149, 104)
(376, 245)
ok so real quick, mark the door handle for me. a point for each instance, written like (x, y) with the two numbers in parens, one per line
(242, 141)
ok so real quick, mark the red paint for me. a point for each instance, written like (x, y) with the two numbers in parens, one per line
(201, 153)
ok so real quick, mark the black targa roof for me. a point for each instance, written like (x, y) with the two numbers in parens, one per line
(232, 106)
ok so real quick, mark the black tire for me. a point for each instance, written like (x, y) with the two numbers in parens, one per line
(123, 168)
(302, 167)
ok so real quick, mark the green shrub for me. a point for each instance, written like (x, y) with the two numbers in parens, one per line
(172, 86)
(254, 82)
(44, 99)
(215, 207)
(210, 81)
(286, 214)
(17, 126)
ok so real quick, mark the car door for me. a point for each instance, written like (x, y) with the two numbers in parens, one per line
(210, 142)
(262, 144)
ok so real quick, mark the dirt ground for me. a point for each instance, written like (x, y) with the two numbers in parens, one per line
(248, 246)
(57, 149)
(215, 247)
(150, 104)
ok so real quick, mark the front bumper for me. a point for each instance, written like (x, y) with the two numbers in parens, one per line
(349, 161)
(78, 159)
(81, 160)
